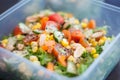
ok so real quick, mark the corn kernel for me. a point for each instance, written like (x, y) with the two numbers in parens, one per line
(4, 42)
(78, 65)
(37, 26)
(64, 42)
(91, 40)
(95, 55)
(47, 37)
(51, 37)
(84, 25)
(77, 21)
(34, 44)
(34, 49)
(101, 42)
(71, 58)
(19, 37)
(93, 51)
(33, 58)
(94, 43)
(104, 38)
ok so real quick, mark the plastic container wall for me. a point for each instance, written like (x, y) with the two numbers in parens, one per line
(112, 2)
(102, 13)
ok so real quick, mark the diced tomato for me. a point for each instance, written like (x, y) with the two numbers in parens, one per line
(43, 22)
(76, 35)
(92, 24)
(57, 18)
(67, 35)
(17, 31)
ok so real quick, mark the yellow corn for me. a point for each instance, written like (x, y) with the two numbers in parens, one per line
(19, 37)
(34, 49)
(104, 38)
(94, 43)
(95, 55)
(84, 25)
(101, 41)
(51, 37)
(37, 26)
(47, 37)
(64, 42)
(34, 44)
(33, 58)
(91, 40)
(71, 58)
(4, 42)
(78, 65)
(93, 51)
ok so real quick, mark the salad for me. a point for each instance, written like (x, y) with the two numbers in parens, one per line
(58, 41)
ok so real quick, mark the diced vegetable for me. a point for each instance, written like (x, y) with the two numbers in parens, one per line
(25, 29)
(92, 24)
(82, 68)
(71, 67)
(55, 52)
(66, 26)
(58, 36)
(37, 31)
(64, 42)
(67, 35)
(44, 57)
(51, 26)
(88, 33)
(84, 42)
(43, 22)
(44, 47)
(77, 35)
(62, 60)
(50, 66)
(17, 31)
(57, 18)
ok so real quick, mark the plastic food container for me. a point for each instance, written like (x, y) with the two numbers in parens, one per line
(112, 2)
(17, 68)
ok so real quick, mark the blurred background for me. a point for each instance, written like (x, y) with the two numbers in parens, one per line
(114, 75)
